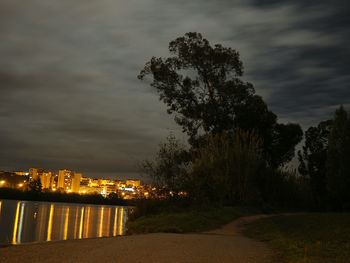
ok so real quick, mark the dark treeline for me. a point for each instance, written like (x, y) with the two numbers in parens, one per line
(237, 150)
(15, 194)
(325, 162)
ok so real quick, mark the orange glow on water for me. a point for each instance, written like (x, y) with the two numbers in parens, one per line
(115, 226)
(66, 225)
(15, 226)
(41, 222)
(108, 222)
(81, 223)
(101, 223)
(87, 225)
(121, 221)
(76, 223)
(49, 226)
(20, 224)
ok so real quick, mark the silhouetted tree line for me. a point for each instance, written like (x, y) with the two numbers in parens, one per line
(35, 195)
(325, 161)
(237, 148)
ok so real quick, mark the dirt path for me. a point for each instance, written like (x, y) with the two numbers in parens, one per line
(222, 245)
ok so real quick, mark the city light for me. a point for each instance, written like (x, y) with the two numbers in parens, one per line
(67, 181)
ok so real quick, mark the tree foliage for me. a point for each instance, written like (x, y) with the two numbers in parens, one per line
(169, 167)
(325, 161)
(201, 84)
(35, 185)
(313, 158)
(338, 161)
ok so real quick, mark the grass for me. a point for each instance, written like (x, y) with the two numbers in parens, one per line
(306, 238)
(187, 220)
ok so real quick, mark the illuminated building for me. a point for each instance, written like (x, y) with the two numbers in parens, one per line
(45, 179)
(63, 176)
(75, 185)
(54, 182)
(108, 186)
(133, 183)
(34, 173)
(84, 181)
(21, 173)
(94, 183)
(69, 181)
(89, 190)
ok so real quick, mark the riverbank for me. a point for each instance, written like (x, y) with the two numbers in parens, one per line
(223, 245)
(311, 238)
(188, 220)
(57, 197)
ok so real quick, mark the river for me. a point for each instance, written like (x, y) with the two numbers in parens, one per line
(31, 221)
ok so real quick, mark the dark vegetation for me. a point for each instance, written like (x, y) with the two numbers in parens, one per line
(184, 220)
(202, 87)
(34, 195)
(236, 145)
(237, 152)
(325, 162)
(311, 238)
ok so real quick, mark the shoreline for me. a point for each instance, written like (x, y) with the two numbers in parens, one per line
(226, 244)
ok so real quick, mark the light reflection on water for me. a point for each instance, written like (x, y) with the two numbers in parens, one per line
(27, 221)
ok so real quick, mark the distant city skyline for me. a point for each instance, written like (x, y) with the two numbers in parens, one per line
(27, 172)
(69, 95)
(67, 181)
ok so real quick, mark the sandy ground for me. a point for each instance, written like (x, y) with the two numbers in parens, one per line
(223, 245)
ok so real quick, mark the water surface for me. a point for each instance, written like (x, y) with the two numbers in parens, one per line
(30, 221)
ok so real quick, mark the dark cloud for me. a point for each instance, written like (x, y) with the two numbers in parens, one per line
(69, 96)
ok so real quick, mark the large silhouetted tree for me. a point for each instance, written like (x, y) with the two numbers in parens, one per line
(201, 84)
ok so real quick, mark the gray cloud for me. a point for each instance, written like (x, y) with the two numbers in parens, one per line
(69, 96)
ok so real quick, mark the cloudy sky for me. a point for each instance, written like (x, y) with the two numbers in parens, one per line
(69, 96)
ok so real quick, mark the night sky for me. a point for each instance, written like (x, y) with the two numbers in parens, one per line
(69, 93)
